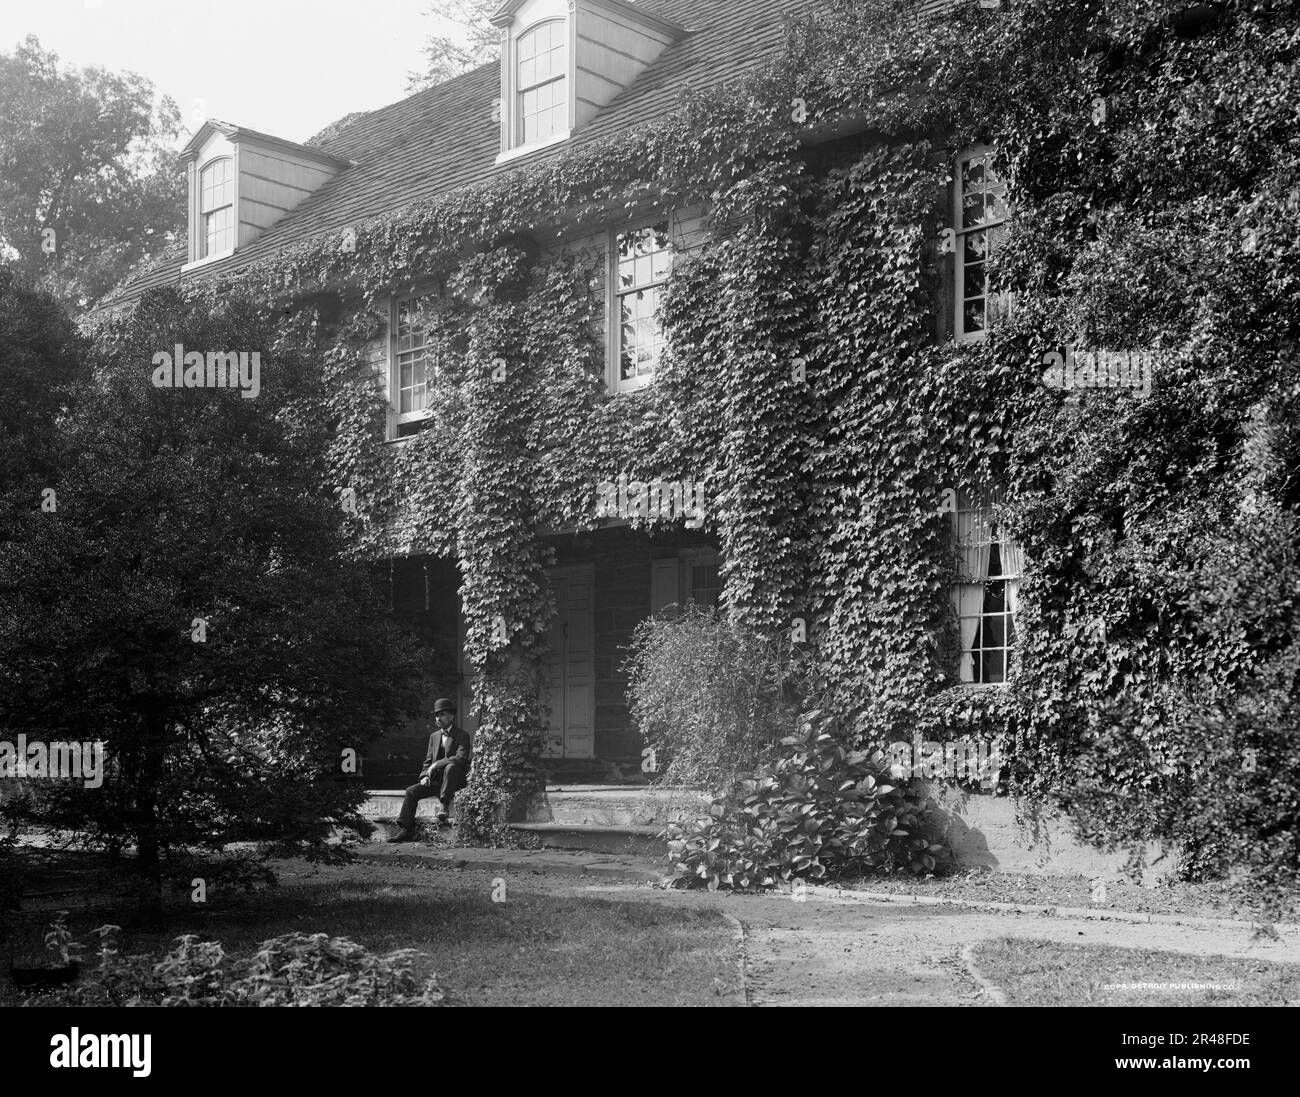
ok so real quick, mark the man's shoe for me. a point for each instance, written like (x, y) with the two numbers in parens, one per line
(402, 836)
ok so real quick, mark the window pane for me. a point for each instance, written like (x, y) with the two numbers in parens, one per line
(645, 261)
(994, 635)
(995, 561)
(972, 210)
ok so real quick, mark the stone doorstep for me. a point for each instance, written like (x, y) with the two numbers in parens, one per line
(632, 840)
(605, 806)
(575, 805)
(387, 805)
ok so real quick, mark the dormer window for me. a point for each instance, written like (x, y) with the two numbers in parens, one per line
(240, 182)
(562, 61)
(543, 82)
(217, 208)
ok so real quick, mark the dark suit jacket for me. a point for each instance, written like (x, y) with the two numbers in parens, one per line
(459, 754)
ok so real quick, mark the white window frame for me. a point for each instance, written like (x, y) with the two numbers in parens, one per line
(511, 102)
(520, 89)
(205, 250)
(691, 559)
(981, 531)
(398, 418)
(988, 154)
(617, 383)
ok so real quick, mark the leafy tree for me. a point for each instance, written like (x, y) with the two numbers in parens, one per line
(90, 181)
(463, 41)
(40, 358)
(176, 507)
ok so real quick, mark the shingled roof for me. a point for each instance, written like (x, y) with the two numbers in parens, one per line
(445, 137)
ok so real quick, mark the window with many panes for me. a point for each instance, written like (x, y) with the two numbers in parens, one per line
(979, 220)
(986, 593)
(217, 208)
(414, 363)
(542, 87)
(703, 580)
(643, 261)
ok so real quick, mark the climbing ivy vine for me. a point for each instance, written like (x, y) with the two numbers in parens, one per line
(1152, 159)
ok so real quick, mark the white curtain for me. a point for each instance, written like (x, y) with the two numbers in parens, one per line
(970, 606)
(973, 540)
(1013, 557)
(1013, 563)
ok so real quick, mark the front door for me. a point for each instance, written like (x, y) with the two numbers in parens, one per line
(570, 665)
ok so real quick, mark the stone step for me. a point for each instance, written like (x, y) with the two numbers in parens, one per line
(613, 806)
(640, 841)
(575, 806)
(388, 804)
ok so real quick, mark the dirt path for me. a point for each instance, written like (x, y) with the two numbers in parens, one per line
(829, 951)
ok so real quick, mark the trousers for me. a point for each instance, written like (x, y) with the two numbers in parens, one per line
(452, 781)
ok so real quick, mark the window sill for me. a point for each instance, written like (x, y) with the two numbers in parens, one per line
(205, 261)
(537, 146)
(631, 390)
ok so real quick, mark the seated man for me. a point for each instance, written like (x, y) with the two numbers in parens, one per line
(445, 772)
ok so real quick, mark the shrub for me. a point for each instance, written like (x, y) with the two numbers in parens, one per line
(296, 969)
(1211, 764)
(711, 698)
(821, 811)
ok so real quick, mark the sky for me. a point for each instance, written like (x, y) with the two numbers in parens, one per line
(286, 67)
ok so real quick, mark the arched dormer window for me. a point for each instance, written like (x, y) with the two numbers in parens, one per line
(542, 95)
(217, 208)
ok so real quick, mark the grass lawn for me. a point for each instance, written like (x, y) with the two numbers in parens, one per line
(537, 948)
(1046, 973)
(1176, 898)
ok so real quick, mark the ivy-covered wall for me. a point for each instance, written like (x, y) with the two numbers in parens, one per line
(810, 380)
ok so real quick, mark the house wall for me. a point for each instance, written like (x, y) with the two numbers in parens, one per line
(634, 573)
(688, 227)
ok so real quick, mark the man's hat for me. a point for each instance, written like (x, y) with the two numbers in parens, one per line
(443, 705)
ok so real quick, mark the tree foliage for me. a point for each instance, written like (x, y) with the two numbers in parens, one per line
(188, 601)
(462, 40)
(91, 184)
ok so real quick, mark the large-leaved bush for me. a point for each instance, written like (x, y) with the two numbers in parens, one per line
(822, 810)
